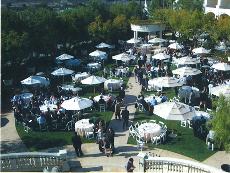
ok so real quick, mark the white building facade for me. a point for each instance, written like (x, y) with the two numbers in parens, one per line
(218, 7)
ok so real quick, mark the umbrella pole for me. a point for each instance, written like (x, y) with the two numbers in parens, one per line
(94, 90)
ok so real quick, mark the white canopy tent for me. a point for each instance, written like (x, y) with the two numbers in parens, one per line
(62, 72)
(186, 71)
(157, 40)
(133, 41)
(176, 46)
(36, 80)
(221, 66)
(200, 50)
(221, 89)
(168, 82)
(187, 60)
(123, 57)
(77, 103)
(103, 45)
(161, 56)
(64, 57)
(174, 111)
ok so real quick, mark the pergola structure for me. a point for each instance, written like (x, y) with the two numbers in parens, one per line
(218, 7)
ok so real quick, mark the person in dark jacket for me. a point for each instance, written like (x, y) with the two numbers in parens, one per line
(130, 167)
(76, 139)
(110, 136)
(125, 117)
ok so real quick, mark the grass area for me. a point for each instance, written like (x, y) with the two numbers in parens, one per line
(185, 143)
(36, 140)
(169, 92)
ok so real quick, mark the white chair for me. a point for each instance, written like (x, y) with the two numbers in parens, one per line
(140, 107)
(189, 123)
(163, 136)
(158, 140)
(153, 139)
(197, 108)
(140, 143)
(161, 123)
(143, 121)
(208, 110)
(165, 127)
(132, 131)
(137, 125)
(152, 121)
(89, 135)
(183, 123)
(102, 107)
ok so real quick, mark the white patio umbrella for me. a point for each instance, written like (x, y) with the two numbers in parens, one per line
(200, 50)
(62, 72)
(97, 53)
(187, 60)
(167, 82)
(103, 45)
(36, 80)
(64, 57)
(221, 89)
(161, 56)
(157, 40)
(174, 111)
(133, 41)
(123, 57)
(221, 66)
(76, 104)
(175, 46)
(186, 71)
(93, 80)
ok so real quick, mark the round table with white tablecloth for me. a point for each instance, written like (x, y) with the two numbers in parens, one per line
(199, 114)
(122, 71)
(80, 76)
(94, 65)
(149, 98)
(113, 83)
(82, 126)
(44, 108)
(105, 97)
(148, 130)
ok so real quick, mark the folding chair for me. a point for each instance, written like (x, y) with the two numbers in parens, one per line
(152, 121)
(102, 107)
(183, 123)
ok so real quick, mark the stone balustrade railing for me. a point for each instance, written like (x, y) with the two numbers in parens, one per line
(34, 161)
(173, 165)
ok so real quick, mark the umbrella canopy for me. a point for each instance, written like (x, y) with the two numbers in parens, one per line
(103, 45)
(93, 80)
(168, 82)
(133, 41)
(64, 57)
(123, 57)
(97, 53)
(36, 80)
(221, 66)
(157, 40)
(77, 103)
(186, 71)
(161, 56)
(175, 46)
(221, 89)
(72, 62)
(174, 111)
(62, 72)
(187, 60)
(200, 50)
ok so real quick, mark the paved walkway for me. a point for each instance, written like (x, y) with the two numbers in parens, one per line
(10, 142)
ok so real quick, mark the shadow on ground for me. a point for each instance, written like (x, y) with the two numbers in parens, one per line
(4, 121)
(12, 147)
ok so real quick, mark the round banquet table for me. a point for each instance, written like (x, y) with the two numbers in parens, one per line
(105, 97)
(148, 99)
(82, 126)
(199, 114)
(94, 65)
(80, 76)
(44, 108)
(113, 83)
(148, 130)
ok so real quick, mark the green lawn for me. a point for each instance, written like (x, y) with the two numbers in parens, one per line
(36, 140)
(169, 92)
(185, 143)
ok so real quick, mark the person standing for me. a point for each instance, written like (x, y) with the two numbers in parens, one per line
(130, 167)
(125, 117)
(117, 110)
(76, 140)
(110, 136)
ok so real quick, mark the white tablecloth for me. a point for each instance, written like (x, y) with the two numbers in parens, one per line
(198, 115)
(105, 97)
(94, 65)
(148, 130)
(80, 76)
(123, 71)
(148, 99)
(71, 87)
(52, 107)
(82, 126)
(113, 83)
